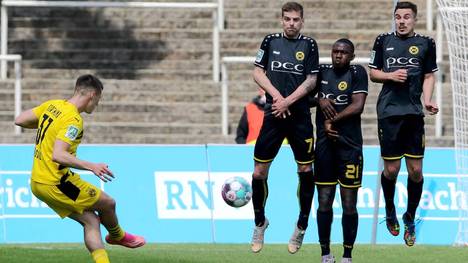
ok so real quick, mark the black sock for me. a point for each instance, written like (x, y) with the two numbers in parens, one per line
(414, 196)
(306, 194)
(324, 222)
(388, 188)
(349, 223)
(259, 196)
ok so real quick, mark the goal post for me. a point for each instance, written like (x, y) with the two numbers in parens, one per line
(454, 15)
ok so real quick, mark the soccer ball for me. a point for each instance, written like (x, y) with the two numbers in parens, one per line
(236, 191)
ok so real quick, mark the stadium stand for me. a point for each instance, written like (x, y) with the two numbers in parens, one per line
(156, 65)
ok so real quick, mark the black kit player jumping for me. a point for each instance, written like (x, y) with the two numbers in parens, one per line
(342, 91)
(285, 67)
(405, 63)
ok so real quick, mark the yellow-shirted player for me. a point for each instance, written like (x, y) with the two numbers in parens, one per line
(59, 132)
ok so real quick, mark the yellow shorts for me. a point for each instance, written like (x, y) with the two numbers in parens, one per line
(72, 196)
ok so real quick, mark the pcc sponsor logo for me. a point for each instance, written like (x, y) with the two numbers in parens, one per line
(287, 67)
(402, 62)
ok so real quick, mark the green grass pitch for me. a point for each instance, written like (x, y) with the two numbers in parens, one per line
(230, 253)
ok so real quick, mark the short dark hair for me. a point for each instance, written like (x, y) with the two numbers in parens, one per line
(346, 42)
(406, 5)
(292, 6)
(88, 81)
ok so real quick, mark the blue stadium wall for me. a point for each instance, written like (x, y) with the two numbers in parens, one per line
(172, 194)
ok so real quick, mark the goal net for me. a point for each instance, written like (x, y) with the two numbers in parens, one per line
(455, 19)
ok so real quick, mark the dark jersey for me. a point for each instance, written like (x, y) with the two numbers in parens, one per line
(287, 62)
(340, 86)
(417, 54)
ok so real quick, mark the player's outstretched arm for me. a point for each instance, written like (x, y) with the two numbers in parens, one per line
(428, 89)
(62, 156)
(27, 119)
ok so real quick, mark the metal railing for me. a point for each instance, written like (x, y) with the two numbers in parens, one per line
(217, 8)
(17, 61)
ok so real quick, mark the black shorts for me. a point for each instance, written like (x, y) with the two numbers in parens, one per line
(297, 129)
(337, 162)
(401, 136)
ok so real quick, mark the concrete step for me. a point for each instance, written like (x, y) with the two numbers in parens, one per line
(7, 116)
(110, 22)
(111, 34)
(125, 43)
(148, 74)
(114, 85)
(148, 96)
(114, 63)
(101, 14)
(117, 55)
(153, 117)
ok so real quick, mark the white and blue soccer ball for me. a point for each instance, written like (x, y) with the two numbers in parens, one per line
(236, 191)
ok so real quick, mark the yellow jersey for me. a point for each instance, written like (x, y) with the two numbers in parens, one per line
(58, 119)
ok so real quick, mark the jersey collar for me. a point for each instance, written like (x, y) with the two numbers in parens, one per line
(396, 34)
(298, 36)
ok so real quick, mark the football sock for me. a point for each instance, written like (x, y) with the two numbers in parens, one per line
(306, 193)
(259, 197)
(324, 222)
(100, 256)
(116, 232)
(414, 196)
(388, 188)
(349, 223)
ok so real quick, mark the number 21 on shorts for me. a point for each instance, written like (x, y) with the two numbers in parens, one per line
(352, 171)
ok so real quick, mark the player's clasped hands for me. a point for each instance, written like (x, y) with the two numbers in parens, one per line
(326, 105)
(102, 171)
(331, 133)
(280, 107)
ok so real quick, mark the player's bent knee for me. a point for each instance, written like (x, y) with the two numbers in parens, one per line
(260, 176)
(261, 170)
(105, 202)
(110, 203)
(391, 172)
(415, 172)
(349, 209)
(416, 176)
